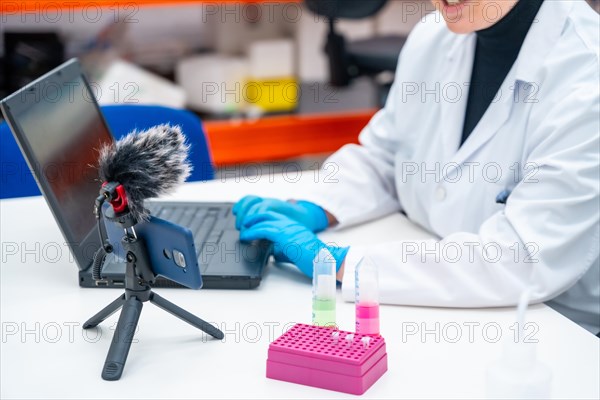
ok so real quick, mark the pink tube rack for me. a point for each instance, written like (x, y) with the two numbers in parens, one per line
(310, 355)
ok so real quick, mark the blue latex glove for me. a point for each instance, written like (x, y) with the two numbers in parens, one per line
(292, 241)
(308, 214)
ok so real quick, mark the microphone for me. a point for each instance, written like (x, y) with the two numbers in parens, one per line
(143, 165)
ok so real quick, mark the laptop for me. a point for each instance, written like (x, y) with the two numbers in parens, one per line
(59, 127)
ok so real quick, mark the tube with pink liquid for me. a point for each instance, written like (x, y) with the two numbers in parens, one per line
(367, 297)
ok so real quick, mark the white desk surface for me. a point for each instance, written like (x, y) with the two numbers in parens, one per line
(46, 354)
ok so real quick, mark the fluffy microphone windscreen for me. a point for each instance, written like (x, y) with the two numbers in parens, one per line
(148, 164)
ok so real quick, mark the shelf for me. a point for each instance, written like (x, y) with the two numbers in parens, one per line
(280, 138)
(18, 6)
(265, 139)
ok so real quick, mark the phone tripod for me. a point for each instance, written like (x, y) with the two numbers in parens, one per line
(138, 276)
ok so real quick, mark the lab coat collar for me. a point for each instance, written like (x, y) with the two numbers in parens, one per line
(455, 79)
(543, 34)
(459, 42)
(545, 31)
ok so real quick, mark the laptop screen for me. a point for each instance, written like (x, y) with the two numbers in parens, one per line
(64, 131)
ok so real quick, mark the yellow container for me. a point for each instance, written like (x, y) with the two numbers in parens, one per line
(272, 95)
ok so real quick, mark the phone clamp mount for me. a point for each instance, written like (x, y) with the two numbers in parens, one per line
(139, 275)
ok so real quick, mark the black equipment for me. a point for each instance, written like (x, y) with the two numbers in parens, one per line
(59, 128)
(148, 163)
(350, 59)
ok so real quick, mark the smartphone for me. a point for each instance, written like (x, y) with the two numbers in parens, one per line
(170, 248)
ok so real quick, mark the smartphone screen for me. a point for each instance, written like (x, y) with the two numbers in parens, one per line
(170, 249)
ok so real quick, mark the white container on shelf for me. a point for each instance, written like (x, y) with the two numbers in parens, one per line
(270, 59)
(213, 83)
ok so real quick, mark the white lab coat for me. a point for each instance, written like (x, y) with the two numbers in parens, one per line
(539, 139)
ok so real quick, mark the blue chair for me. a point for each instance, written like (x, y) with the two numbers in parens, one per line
(16, 179)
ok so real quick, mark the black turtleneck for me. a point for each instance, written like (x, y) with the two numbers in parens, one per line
(496, 50)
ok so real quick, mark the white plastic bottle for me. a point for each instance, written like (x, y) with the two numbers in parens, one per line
(518, 374)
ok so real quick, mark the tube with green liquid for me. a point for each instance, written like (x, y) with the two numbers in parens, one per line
(323, 313)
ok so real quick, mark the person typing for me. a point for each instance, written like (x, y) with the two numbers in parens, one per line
(443, 151)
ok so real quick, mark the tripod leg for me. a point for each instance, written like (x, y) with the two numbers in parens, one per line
(186, 316)
(119, 348)
(104, 313)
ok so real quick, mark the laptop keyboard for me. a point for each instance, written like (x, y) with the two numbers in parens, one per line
(207, 223)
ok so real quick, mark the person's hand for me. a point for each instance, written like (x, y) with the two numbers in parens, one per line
(306, 213)
(292, 241)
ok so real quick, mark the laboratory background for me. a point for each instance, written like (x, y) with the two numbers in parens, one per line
(255, 72)
(264, 93)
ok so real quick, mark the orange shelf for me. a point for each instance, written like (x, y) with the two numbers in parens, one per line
(279, 138)
(19, 6)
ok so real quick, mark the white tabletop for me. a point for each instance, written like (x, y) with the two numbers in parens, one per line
(46, 354)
